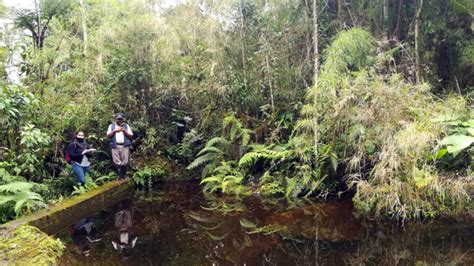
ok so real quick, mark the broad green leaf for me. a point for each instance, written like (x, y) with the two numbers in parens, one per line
(457, 143)
(422, 181)
(440, 154)
(470, 131)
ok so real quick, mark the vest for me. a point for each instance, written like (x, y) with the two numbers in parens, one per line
(126, 141)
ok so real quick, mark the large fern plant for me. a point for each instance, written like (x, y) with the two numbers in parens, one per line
(20, 195)
(228, 147)
(291, 169)
(225, 178)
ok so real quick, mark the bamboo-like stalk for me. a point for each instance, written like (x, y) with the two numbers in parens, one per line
(84, 26)
(417, 53)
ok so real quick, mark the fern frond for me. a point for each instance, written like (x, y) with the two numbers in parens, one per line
(228, 120)
(217, 141)
(290, 185)
(245, 136)
(209, 168)
(23, 198)
(209, 150)
(250, 158)
(211, 179)
(233, 178)
(30, 200)
(16, 187)
(208, 157)
(304, 125)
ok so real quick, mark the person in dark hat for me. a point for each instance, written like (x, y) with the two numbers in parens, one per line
(120, 135)
(80, 152)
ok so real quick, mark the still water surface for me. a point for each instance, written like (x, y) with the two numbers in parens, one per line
(177, 225)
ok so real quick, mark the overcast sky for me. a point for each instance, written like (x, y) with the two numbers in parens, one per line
(19, 3)
(30, 3)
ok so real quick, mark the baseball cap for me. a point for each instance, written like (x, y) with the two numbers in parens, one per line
(118, 116)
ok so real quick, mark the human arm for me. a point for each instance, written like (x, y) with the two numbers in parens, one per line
(111, 133)
(128, 131)
(88, 151)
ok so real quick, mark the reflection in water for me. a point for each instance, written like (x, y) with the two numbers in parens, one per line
(179, 226)
(83, 232)
(124, 239)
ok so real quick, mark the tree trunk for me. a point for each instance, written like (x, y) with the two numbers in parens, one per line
(242, 32)
(315, 43)
(340, 10)
(397, 30)
(84, 26)
(270, 84)
(38, 24)
(316, 71)
(417, 33)
(385, 25)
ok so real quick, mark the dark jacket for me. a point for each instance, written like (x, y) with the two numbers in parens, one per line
(75, 150)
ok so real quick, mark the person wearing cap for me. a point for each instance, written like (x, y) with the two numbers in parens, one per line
(120, 135)
(78, 151)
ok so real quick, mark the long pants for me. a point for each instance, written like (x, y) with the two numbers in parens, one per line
(121, 155)
(80, 172)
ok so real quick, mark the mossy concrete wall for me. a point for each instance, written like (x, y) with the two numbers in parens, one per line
(57, 217)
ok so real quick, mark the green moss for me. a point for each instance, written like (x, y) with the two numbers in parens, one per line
(27, 245)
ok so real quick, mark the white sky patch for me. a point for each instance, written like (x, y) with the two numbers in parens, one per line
(14, 38)
(30, 4)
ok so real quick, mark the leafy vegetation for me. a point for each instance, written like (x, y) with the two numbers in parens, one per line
(236, 89)
(147, 176)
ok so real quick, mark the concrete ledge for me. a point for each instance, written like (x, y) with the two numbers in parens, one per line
(55, 218)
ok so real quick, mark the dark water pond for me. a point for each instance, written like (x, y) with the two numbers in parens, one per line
(177, 225)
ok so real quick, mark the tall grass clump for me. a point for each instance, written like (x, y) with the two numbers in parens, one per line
(384, 131)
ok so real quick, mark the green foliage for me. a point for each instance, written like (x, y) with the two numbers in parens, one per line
(362, 118)
(382, 129)
(5, 172)
(33, 143)
(235, 130)
(270, 153)
(351, 50)
(20, 194)
(16, 106)
(457, 143)
(461, 139)
(184, 151)
(229, 146)
(148, 176)
(225, 178)
(105, 178)
(27, 245)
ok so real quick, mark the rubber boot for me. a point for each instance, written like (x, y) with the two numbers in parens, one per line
(119, 171)
(124, 171)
